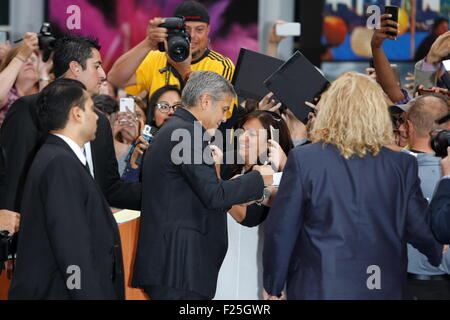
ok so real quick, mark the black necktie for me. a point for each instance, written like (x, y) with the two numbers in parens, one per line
(86, 166)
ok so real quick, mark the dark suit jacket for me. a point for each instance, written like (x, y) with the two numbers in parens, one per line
(333, 218)
(21, 138)
(65, 221)
(440, 206)
(2, 177)
(183, 229)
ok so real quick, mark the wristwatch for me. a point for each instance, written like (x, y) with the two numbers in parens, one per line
(266, 195)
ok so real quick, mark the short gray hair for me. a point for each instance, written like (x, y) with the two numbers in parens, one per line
(206, 82)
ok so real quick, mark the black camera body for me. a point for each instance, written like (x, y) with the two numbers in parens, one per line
(5, 246)
(46, 41)
(440, 142)
(178, 41)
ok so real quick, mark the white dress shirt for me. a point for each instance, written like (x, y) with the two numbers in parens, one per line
(80, 152)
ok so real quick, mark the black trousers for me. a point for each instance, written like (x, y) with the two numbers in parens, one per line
(166, 293)
(428, 289)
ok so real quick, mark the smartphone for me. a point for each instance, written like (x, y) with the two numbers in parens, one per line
(272, 132)
(392, 10)
(288, 29)
(277, 179)
(126, 104)
(4, 36)
(446, 64)
(428, 91)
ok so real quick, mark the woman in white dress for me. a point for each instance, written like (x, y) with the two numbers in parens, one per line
(240, 277)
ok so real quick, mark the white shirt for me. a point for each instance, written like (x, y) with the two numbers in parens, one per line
(79, 152)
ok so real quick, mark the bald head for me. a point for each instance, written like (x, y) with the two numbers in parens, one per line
(425, 111)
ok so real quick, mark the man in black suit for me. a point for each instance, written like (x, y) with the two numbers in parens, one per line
(21, 137)
(69, 246)
(440, 205)
(183, 231)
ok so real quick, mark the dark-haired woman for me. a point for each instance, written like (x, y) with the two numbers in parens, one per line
(162, 105)
(241, 274)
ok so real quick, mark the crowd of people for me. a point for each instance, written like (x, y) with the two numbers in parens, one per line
(362, 187)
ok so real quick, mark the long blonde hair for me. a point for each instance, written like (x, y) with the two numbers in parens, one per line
(353, 116)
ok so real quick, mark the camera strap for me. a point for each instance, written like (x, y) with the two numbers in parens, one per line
(168, 74)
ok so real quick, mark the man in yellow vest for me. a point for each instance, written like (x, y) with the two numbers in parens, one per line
(146, 68)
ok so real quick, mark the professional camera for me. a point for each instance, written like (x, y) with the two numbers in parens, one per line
(5, 246)
(46, 41)
(440, 142)
(178, 41)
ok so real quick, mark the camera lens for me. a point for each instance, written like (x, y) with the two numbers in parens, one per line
(178, 48)
(440, 142)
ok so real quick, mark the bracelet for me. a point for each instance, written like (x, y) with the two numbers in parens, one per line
(19, 59)
(45, 79)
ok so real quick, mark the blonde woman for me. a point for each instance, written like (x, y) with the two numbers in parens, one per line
(347, 205)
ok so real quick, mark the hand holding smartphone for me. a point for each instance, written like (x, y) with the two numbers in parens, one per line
(393, 11)
(288, 29)
(126, 105)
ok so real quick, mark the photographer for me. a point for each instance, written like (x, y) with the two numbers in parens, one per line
(151, 69)
(426, 282)
(22, 73)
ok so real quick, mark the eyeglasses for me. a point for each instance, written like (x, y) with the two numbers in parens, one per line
(164, 107)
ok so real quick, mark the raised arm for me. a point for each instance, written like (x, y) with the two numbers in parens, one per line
(385, 75)
(123, 72)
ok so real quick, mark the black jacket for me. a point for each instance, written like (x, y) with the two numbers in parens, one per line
(440, 206)
(65, 222)
(21, 138)
(183, 229)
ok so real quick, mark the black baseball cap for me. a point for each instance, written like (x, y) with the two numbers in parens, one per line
(192, 11)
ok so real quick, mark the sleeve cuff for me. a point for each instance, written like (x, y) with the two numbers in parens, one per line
(422, 65)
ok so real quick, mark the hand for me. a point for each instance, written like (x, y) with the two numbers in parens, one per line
(30, 43)
(127, 125)
(297, 129)
(440, 49)
(277, 156)
(4, 49)
(156, 34)
(433, 90)
(269, 104)
(273, 38)
(445, 164)
(266, 172)
(371, 73)
(266, 296)
(410, 78)
(380, 34)
(217, 154)
(9, 221)
(138, 150)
